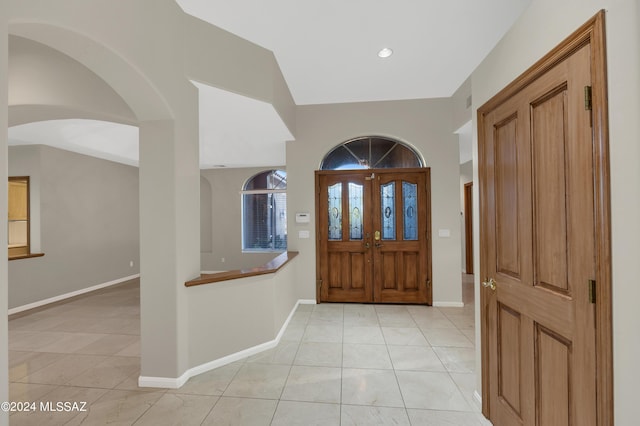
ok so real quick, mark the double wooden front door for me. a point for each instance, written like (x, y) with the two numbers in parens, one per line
(538, 246)
(373, 236)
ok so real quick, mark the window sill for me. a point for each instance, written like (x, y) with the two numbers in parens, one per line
(258, 251)
(25, 256)
(268, 268)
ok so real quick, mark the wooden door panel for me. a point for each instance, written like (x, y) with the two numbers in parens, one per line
(388, 271)
(334, 270)
(344, 266)
(400, 270)
(400, 257)
(506, 195)
(411, 268)
(357, 266)
(509, 344)
(557, 313)
(548, 139)
(346, 271)
(553, 377)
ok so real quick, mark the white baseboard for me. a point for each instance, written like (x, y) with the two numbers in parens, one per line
(448, 304)
(161, 382)
(477, 397)
(175, 383)
(69, 295)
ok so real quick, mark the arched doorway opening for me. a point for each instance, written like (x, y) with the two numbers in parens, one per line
(162, 128)
(373, 224)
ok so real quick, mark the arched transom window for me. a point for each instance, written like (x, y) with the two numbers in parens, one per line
(371, 153)
(264, 212)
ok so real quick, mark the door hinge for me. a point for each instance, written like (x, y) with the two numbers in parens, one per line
(587, 98)
(319, 283)
(592, 291)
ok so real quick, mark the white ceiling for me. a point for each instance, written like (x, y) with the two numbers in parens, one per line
(102, 139)
(327, 50)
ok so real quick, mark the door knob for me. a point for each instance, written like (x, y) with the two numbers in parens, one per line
(490, 284)
(367, 245)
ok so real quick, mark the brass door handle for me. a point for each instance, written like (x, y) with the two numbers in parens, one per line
(490, 284)
(378, 245)
(367, 245)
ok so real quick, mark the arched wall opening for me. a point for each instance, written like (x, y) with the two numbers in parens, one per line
(168, 179)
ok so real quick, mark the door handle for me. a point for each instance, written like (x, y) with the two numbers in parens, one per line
(378, 244)
(367, 245)
(490, 284)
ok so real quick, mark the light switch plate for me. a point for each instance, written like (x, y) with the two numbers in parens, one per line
(444, 233)
(303, 234)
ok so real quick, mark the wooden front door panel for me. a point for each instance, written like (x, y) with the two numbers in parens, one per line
(538, 242)
(343, 222)
(399, 255)
(388, 259)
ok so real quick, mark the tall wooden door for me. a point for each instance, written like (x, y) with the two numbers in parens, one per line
(373, 236)
(538, 242)
(468, 227)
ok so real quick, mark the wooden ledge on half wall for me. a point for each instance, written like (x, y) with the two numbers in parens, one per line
(270, 267)
(25, 256)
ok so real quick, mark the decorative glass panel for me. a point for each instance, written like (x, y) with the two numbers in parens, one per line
(335, 211)
(370, 152)
(410, 210)
(388, 207)
(355, 211)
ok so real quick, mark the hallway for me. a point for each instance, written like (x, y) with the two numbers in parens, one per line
(341, 364)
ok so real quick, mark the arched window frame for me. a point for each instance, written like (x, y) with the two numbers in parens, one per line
(370, 162)
(264, 212)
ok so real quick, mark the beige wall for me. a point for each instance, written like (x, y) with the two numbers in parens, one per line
(225, 220)
(85, 216)
(252, 309)
(426, 125)
(4, 353)
(541, 27)
(461, 112)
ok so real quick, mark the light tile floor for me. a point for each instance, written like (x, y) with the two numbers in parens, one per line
(337, 364)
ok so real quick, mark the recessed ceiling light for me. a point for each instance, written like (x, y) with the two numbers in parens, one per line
(385, 53)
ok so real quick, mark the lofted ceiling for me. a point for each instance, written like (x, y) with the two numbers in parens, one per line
(327, 50)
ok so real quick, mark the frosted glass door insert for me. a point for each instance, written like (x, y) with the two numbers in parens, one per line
(335, 212)
(388, 210)
(410, 210)
(356, 210)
